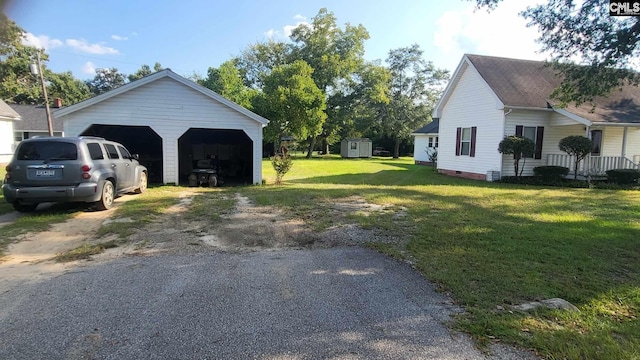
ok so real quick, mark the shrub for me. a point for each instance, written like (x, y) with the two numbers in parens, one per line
(281, 164)
(520, 148)
(578, 146)
(550, 173)
(623, 176)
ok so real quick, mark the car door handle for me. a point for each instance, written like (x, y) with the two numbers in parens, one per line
(113, 165)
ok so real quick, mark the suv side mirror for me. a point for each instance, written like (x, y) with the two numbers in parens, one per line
(135, 156)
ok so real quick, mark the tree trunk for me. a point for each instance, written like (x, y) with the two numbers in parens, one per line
(516, 162)
(312, 144)
(325, 146)
(396, 148)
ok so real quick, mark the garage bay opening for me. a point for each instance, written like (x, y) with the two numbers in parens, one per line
(232, 149)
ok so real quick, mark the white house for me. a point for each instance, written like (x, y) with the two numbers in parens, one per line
(425, 146)
(7, 118)
(489, 98)
(172, 122)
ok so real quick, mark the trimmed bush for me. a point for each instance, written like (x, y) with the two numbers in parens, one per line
(623, 176)
(551, 173)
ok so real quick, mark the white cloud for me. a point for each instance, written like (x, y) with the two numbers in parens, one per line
(40, 42)
(271, 33)
(83, 46)
(119, 38)
(287, 29)
(501, 32)
(89, 68)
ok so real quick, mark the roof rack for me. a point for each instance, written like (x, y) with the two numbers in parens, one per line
(91, 137)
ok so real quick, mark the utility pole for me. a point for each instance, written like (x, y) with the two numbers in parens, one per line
(38, 71)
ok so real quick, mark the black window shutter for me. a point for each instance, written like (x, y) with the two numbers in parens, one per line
(472, 153)
(458, 139)
(519, 130)
(539, 136)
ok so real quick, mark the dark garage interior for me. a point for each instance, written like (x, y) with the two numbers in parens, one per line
(141, 140)
(233, 148)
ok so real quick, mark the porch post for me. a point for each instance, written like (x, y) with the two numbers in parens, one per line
(624, 142)
(587, 159)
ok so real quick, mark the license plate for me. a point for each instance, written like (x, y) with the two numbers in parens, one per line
(45, 173)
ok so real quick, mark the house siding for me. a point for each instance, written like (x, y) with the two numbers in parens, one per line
(533, 119)
(6, 141)
(421, 149)
(170, 109)
(472, 103)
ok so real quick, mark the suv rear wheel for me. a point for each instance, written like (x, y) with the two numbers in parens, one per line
(106, 200)
(24, 207)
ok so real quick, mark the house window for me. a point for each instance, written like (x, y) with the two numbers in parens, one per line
(466, 141)
(535, 134)
(430, 142)
(436, 142)
(354, 146)
(596, 138)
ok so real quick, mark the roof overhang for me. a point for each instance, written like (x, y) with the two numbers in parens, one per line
(151, 78)
(573, 116)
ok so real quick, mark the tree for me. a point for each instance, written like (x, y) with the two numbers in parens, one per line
(17, 84)
(606, 45)
(68, 88)
(106, 79)
(415, 86)
(292, 102)
(334, 54)
(259, 59)
(144, 71)
(577, 146)
(226, 81)
(520, 148)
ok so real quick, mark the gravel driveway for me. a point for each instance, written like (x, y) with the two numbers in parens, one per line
(341, 303)
(254, 285)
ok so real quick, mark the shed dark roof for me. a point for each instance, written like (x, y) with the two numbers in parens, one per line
(430, 128)
(34, 118)
(526, 83)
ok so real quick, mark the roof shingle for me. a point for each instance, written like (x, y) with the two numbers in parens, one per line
(527, 83)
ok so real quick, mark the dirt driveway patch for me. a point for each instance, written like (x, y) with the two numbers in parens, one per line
(245, 228)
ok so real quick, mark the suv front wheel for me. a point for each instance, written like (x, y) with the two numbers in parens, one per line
(106, 200)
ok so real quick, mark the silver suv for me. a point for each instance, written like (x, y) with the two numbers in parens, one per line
(71, 169)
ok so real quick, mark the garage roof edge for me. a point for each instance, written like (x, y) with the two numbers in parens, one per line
(151, 78)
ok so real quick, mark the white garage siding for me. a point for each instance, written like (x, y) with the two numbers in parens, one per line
(170, 108)
(472, 103)
(6, 141)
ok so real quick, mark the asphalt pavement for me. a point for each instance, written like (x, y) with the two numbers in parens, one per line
(340, 303)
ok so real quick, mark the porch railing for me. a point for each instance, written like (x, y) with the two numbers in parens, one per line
(598, 165)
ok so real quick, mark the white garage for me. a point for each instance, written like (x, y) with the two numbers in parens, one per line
(172, 122)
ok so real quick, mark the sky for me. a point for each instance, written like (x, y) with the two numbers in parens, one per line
(189, 36)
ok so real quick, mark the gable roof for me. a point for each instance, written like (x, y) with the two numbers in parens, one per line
(156, 76)
(34, 118)
(7, 113)
(529, 84)
(430, 128)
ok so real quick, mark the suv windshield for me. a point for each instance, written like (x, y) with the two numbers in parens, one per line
(47, 150)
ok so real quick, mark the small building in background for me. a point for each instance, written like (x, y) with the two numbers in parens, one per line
(425, 146)
(356, 148)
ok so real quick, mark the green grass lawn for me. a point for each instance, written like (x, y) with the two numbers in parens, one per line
(494, 245)
(488, 245)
